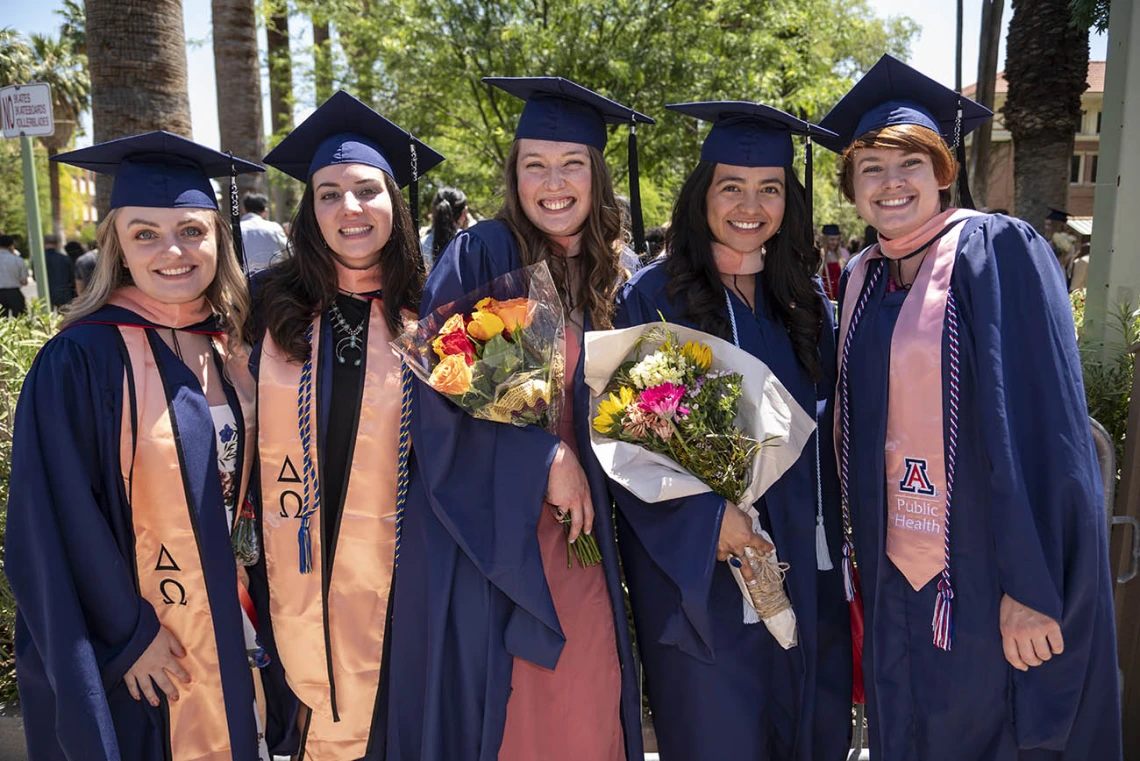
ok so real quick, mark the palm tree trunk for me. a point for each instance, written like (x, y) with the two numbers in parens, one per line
(283, 192)
(322, 57)
(56, 203)
(239, 86)
(989, 40)
(1047, 65)
(136, 51)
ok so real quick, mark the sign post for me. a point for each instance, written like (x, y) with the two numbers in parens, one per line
(26, 112)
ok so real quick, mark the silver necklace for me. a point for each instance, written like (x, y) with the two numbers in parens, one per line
(350, 338)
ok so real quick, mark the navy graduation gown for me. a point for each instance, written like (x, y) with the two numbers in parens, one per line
(70, 554)
(719, 688)
(470, 591)
(1028, 520)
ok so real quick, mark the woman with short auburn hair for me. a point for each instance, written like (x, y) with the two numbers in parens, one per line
(972, 496)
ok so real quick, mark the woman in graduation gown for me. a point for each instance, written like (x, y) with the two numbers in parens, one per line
(741, 266)
(133, 449)
(329, 407)
(500, 650)
(968, 465)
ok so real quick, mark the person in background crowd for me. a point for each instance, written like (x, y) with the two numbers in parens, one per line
(262, 239)
(853, 244)
(74, 250)
(741, 266)
(1080, 274)
(971, 489)
(13, 277)
(870, 236)
(448, 217)
(834, 259)
(654, 242)
(85, 268)
(60, 272)
(134, 443)
(1065, 245)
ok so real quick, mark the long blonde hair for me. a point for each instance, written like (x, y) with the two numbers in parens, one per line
(227, 295)
(601, 240)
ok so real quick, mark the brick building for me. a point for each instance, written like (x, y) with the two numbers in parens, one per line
(1083, 169)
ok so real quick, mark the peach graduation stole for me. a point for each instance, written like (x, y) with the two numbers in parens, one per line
(170, 571)
(918, 483)
(340, 682)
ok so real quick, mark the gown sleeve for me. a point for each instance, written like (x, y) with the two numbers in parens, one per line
(81, 622)
(1046, 502)
(486, 481)
(689, 564)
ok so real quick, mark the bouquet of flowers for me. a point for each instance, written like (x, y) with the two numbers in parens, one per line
(498, 354)
(680, 412)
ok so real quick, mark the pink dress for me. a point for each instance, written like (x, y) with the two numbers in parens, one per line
(573, 712)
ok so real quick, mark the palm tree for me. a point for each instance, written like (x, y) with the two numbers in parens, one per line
(54, 62)
(238, 80)
(989, 41)
(322, 56)
(280, 95)
(1046, 66)
(136, 51)
(74, 26)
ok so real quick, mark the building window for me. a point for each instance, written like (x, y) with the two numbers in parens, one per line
(1081, 122)
(1098, 115)
(1075, 167)
(1092, 171)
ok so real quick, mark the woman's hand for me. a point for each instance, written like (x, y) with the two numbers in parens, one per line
(568, 492)
(1029, 638)
(156, 665)
(737, 541)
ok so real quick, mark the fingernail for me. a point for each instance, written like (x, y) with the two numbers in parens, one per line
(154, 703)
(573, 540)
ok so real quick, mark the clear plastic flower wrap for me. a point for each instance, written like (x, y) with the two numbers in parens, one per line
(498, 353)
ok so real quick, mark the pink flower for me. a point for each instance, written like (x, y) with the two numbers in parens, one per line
(664, 399)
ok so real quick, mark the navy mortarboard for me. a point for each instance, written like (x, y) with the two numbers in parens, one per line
(752, 134)
(892, 93)
(1057, 215)
(830, 230)
(563, 111)
(160, 170)
(345, 131)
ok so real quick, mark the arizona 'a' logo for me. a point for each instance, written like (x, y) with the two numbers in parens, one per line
(915, 480)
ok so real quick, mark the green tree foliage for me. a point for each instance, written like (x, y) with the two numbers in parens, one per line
(13, 215)
(798, 55)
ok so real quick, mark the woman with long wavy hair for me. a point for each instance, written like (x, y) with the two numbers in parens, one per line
(330, 406)
(976, 513)
(740, 265)
(133, 452)
(502, 651)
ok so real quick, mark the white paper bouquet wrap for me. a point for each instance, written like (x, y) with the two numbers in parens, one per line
(767, 413)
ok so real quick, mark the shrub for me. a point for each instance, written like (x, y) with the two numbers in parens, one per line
(20, 340)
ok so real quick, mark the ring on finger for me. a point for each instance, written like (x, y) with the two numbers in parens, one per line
(735, 561)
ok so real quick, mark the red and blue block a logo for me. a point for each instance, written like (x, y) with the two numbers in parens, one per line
(915, 480)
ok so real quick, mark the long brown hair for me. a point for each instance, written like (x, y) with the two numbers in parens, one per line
(601, 240)
(305, 282)
(227, 295)
(789, 266)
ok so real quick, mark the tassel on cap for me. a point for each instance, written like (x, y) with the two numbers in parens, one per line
(965, 199)
(635, 192)
(414, 185)
(235, 217)
(808, 177)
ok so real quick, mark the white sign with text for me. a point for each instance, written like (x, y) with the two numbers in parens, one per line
(26, 110)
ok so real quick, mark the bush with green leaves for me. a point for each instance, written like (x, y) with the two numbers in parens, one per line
(20, 340)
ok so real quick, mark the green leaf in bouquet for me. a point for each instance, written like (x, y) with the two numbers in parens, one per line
(502, 358)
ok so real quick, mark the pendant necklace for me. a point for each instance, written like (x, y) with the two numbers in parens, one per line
(349, 335)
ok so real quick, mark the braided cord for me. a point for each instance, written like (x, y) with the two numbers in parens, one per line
(942, 623)
(312, 487)
(403, 473)
(845, 434)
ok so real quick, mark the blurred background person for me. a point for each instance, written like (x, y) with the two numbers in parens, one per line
(448, 217)
(60, 272)
(13, 277)
(262, 238)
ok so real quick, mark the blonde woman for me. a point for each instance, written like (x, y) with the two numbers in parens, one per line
(132, 449)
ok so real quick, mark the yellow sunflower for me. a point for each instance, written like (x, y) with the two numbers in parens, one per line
(611, 410)
(699, 354)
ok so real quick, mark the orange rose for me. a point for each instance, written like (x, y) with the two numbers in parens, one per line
(515, 313)
(451, 376)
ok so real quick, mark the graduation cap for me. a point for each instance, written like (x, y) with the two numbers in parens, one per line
(831, 230)
(161, 170)
(1057, 215)
(753, 134)
(892, 93)
(563, 111)
(344, 130)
